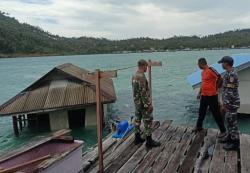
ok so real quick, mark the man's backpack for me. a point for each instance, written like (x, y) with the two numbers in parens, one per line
(219, 80)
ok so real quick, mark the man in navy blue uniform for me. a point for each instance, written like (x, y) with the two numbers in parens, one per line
(231, 103)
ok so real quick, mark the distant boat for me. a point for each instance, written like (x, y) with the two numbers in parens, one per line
(242, 65)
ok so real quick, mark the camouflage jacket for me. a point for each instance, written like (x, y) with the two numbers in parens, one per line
(141, 93)
(230, 93)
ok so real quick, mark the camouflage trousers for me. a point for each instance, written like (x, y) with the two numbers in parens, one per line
(232, 126)
(147, 118)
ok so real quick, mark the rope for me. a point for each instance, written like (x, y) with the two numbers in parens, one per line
(125, 68)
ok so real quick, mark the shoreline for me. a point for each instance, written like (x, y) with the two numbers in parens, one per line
(29, 55)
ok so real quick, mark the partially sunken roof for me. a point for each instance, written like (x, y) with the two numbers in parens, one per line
(241, 61)
(64, 87)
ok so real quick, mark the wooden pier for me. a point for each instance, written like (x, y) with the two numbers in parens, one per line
(181, 151)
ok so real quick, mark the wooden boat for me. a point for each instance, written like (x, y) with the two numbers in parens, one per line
(54, 154)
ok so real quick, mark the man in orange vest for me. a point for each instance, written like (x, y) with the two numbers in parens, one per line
(208, 97)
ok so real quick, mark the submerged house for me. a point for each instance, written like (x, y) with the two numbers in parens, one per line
(62, 98)
(242, 65)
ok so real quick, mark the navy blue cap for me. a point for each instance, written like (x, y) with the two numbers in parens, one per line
(227, 59)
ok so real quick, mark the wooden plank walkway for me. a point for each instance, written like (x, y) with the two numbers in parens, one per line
(180, 151)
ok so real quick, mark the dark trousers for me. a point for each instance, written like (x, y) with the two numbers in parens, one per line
(213, 104)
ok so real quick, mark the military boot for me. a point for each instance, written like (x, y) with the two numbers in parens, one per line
(226, 139)
(138, 139)
(197, 129)
(232, 145)
(150, 143)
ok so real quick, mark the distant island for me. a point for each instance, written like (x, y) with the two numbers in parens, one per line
(21, 39)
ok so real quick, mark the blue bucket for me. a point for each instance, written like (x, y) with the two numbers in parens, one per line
(123, 128)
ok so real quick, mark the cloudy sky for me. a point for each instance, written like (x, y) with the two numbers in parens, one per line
(120, 19)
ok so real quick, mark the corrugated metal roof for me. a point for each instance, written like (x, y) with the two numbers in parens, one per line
(241, 61)
(61, 88)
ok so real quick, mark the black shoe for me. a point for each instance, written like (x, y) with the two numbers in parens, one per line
(150, 143)
(232, 145)
(138, 139)
(197, 129)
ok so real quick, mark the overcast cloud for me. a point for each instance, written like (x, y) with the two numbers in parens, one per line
(120, 19)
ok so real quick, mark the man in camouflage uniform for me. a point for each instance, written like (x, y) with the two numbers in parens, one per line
(143, 106)
(231, 103)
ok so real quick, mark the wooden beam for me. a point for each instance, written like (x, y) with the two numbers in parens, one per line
(154, 63)
(99, 109)
(102, 115)
(24, 165)
(109, 74)
(150, 64)
(15, 126)
(99, 121)
(150, 80)
(103, 75)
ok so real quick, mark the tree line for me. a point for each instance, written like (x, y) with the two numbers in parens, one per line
(23, 39)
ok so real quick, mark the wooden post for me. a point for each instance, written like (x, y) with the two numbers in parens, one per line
(20, 122)
(150, 79)
(97, 76)
(102, 116)
(15, 126)
(99, 121)
(24, 120)
(150, 64)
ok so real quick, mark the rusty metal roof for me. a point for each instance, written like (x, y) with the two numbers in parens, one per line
(63, 87)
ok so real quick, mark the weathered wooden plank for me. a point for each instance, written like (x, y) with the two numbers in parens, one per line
(135, 153)
(90, 160)
(155, 152)
(132, 163)
(245, 153)
(217, 163)
(92, 156)
(110, 154)
(203, 162)
(164, 157)
(87, 166)
(92, 163)
(119, 150)
(189, 161)
(231, 162)
(179, 153)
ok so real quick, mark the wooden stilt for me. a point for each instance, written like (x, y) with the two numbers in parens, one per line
(24, 120)
(15, 126)
(20, 122)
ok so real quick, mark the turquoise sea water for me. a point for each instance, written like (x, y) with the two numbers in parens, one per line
(173, 97)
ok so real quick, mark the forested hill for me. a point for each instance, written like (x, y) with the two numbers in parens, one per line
(20, 39)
